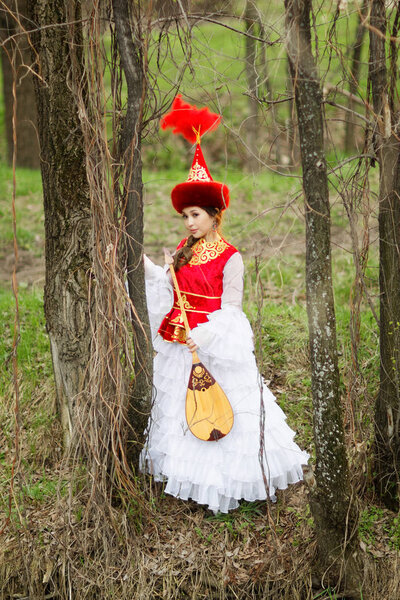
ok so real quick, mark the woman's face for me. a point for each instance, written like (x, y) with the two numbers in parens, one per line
(197, 221)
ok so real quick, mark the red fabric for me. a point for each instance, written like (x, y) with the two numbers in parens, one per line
(183, 117)
(199, 170)
(200, 193)
(200, 189)
(201, 289)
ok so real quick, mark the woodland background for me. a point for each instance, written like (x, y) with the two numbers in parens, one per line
(78, 520)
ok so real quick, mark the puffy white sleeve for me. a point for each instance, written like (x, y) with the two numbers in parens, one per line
(227, 333)
(159, 293)
(232, 284)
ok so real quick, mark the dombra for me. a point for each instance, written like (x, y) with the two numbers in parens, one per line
(209, 414)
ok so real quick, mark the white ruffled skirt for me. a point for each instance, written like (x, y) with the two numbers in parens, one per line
(218, 473)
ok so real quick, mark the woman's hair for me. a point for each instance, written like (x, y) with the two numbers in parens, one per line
(184, 254)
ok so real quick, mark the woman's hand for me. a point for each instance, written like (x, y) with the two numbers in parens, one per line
(168, 257)
(191, 345)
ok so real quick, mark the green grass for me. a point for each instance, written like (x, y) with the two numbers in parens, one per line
(33, 347)
(29, 492)
(41, 489)
(29, 210)
(235, 524)
(368, 518)
(39, 432)
(378, 526)
(34, 378)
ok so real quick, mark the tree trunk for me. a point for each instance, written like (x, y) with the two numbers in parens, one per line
(291, 125)
(27, 139)
(170, 8)
(351, 121)
(132, 64)
(252, 124)
(66, 205)
(334, 514)
(266, 90)
(387, 413)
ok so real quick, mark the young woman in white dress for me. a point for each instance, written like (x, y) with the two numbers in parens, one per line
(209, 271)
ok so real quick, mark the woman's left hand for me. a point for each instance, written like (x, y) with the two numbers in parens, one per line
(168, 257)
(191, 345)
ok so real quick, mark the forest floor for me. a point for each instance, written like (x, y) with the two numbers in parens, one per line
(261, 550)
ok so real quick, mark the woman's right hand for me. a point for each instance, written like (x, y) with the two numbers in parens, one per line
(191, 345)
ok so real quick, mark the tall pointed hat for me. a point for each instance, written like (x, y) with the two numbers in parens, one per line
(199, 189)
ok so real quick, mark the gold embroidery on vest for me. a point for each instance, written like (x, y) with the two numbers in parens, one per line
(179, 335)
(192, 310)
(186, 303)
(177, 319)
(204, 251)
(202, 295)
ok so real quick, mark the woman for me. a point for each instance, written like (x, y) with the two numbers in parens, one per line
(210, 275)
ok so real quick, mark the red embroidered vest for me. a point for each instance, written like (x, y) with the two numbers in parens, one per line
(200, 283)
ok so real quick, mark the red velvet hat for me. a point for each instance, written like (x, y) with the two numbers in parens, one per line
(199, 189)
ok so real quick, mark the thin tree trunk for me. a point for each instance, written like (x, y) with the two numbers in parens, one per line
(387, 409)
(267, 90)
(170, 8)
(66, 205)
(131, 60)
(251, 128)
(334, 514)
(27, 139)
(291, 125)
(349, 141)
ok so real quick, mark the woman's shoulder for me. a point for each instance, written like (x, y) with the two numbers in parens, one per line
(235, 261)
(230, 247)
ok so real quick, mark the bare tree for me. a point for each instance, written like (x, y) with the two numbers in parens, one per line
(16, 60)
(66, 204)
(332, 508)
(251, 19)
(354, 78)
(291, 125)
(387, 146)
(170, 8)
(132, 61)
